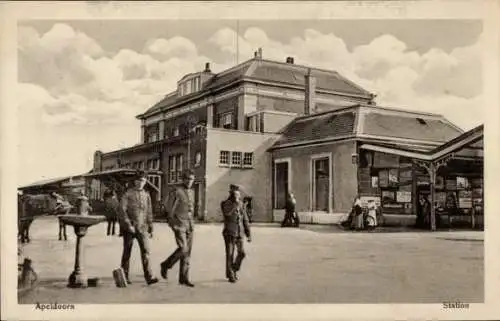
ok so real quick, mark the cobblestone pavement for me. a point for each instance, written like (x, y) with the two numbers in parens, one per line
(306, 265)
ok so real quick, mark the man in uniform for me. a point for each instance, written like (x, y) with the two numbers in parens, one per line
(179, 212)
(136, 220)
(235, 225)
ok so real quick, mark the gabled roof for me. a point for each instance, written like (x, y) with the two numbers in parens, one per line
(389, 125)
(410, 126)
(274, 72)
(320, 126)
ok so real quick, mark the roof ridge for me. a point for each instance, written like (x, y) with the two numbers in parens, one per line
(401, 110)
(303, 117)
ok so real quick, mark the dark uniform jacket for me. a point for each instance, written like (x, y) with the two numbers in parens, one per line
(179, 208)
(235, 219)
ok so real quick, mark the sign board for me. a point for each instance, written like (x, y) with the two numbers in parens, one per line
(403, 197)
(364, 200)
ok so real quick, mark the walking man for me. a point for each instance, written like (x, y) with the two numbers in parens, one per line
(235, 225)
(179, 212)
(136, 220)
(111, 209)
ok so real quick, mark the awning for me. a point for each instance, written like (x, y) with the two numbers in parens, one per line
(395, 151)
(121, 174)
(471, 137)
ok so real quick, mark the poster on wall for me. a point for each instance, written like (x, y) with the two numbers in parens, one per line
(405, 176)
(451, 184)
(462, 182)
(403, 197)
(383, 178)
(465, 202)
(375, 181)
(393, 177)
(388, 197)
(441, 199)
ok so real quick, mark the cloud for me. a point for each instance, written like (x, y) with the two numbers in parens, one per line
(67, 78)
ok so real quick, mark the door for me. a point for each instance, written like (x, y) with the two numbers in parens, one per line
(281, 184)
(321, 177)
(196, 189)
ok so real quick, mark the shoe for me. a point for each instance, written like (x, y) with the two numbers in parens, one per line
(128, 281)
(186, 283)
(236, 276)
(232, 280)
(152, 281)
(163, 270)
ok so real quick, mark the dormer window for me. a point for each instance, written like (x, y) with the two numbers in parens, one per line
(189, 85)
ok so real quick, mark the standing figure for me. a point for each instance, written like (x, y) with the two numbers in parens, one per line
(291, 216)
(357, 214)
(179, 212)
(423, 219)
(236, 224)
(61, 207)
(25, 217)
(83, 205)
(136, 220)
(112, 207)
(372, 214)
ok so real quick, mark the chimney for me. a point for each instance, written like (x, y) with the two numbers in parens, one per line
(310, 90)
(259, 53)
(207, 67)
(255, 54)
(289, 60)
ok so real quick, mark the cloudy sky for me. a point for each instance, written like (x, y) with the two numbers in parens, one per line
(83, 82)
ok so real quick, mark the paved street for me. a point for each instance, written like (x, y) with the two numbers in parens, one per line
(313, 264)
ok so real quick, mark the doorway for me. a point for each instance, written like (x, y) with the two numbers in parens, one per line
(197, 192)
(281, 182)
(321, 184)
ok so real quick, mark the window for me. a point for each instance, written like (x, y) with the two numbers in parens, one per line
(179, 162)
(176, 131)
(156, 164)
(236, 159)
(172, 176)
(197, 159)
(224, 158)
(254, 123)
(248, 160)
(141, 164)
(226, 120)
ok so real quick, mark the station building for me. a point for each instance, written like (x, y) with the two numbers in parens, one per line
(274, 127)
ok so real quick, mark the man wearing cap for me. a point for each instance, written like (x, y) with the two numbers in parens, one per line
(179, 212)
(136, 222)
(235, 225)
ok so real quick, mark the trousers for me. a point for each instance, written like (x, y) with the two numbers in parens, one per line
(128, 242)
(233, 264)
(184, 240)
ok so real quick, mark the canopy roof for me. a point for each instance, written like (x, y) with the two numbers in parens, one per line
(120, 176)
(468, 145)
